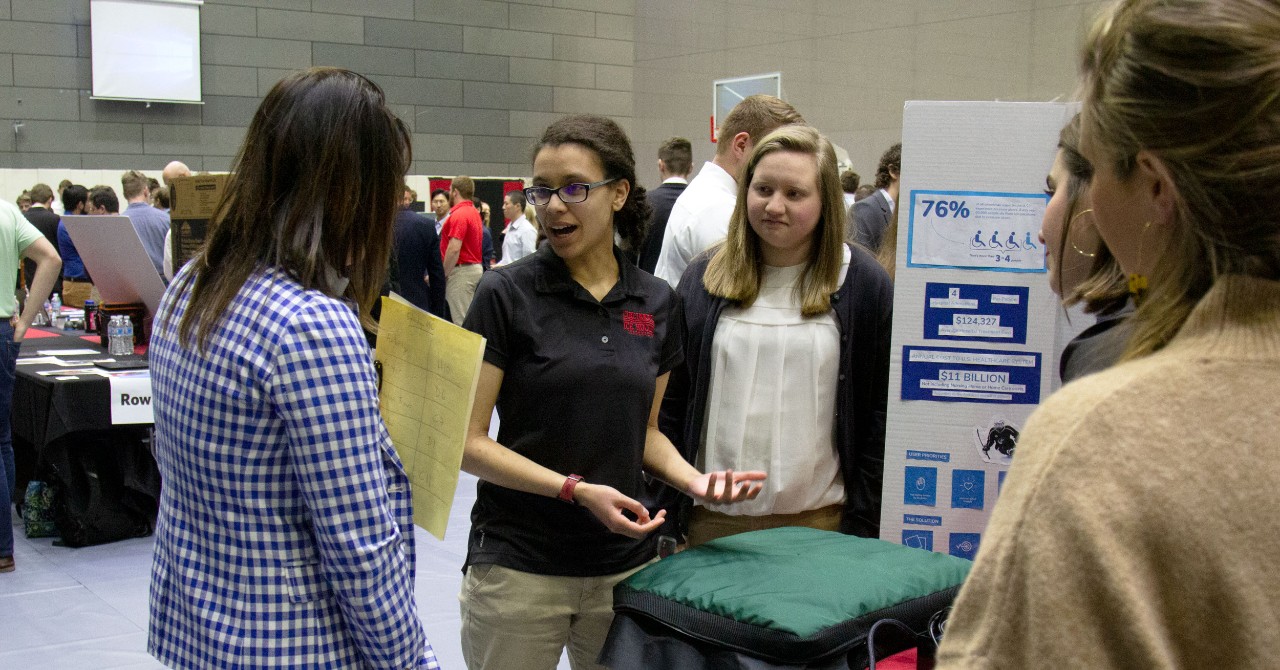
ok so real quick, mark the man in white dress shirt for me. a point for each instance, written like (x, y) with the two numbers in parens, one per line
(174, 170)
(700, 216)
(520, 239)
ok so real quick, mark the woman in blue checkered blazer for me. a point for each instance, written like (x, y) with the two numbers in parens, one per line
(285, 536)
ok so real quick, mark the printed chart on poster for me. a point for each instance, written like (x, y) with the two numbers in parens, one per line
(968, 487)
(964, 545)
(976, 313)
(956, 478)
(977, 230)
(948, 374)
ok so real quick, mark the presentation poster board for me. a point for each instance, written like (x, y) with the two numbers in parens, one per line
(193, 202)
(977, 331)
(115, 258)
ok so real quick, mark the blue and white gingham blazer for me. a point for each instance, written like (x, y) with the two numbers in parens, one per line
(285, 536)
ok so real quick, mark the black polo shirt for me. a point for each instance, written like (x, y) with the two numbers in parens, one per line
(578, 384)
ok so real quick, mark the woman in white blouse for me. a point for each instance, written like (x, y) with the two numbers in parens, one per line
(787, 352)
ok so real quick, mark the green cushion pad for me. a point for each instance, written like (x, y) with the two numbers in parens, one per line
(792, 593)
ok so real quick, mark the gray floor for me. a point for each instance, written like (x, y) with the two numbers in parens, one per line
(87, 608)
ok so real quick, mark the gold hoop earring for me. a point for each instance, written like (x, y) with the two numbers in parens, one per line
(1137, 281)
(1072, 226)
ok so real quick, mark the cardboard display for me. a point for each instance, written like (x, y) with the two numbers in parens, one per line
(193, 200)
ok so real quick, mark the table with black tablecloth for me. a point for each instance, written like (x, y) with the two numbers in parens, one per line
(106, 481)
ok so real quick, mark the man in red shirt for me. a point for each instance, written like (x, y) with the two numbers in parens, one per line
(460, 245)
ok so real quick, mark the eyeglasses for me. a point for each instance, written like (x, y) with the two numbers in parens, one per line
(540, 196)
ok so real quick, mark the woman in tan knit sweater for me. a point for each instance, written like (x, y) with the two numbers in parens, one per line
(1140, 524)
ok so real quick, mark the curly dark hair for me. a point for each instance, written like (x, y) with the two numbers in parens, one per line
(890, 161)
(607, 140)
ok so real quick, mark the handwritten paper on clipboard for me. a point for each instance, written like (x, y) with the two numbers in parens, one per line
(430, 369)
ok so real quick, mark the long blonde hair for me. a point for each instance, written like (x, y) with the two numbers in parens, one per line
(1197, 84)
(1105, 290)
(735, 269)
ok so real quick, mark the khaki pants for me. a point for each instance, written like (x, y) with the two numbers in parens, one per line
(459, 290)
(523, 621)
(75, 293)
(706, 525)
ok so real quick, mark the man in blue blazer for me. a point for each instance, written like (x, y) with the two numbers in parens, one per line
(870, 215)
(419, 267)
(675, 161)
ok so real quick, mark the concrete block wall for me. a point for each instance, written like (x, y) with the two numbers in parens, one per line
(478, 80)
(847, 65)
(475, 80)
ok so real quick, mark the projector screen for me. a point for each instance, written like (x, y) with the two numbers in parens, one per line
(146, 50)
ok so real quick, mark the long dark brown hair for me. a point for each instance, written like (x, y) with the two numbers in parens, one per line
(314, 191)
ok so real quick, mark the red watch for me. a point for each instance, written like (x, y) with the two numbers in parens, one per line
(566, 491)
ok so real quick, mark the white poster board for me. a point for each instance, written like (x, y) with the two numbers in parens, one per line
(976, 328)
(114, 256)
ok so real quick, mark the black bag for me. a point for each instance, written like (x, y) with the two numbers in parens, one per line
(107, 484)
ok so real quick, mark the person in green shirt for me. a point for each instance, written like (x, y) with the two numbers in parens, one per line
(18, 239)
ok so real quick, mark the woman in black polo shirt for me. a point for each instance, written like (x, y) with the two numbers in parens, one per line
(580, 344)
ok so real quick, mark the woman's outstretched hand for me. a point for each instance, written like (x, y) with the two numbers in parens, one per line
(727, 486)
(608, 504)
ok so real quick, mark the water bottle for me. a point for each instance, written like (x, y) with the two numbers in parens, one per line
(126, 334)
(42, 317)
(55, 311)
(115, 337)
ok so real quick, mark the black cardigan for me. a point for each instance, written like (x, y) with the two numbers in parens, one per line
(863, 308)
